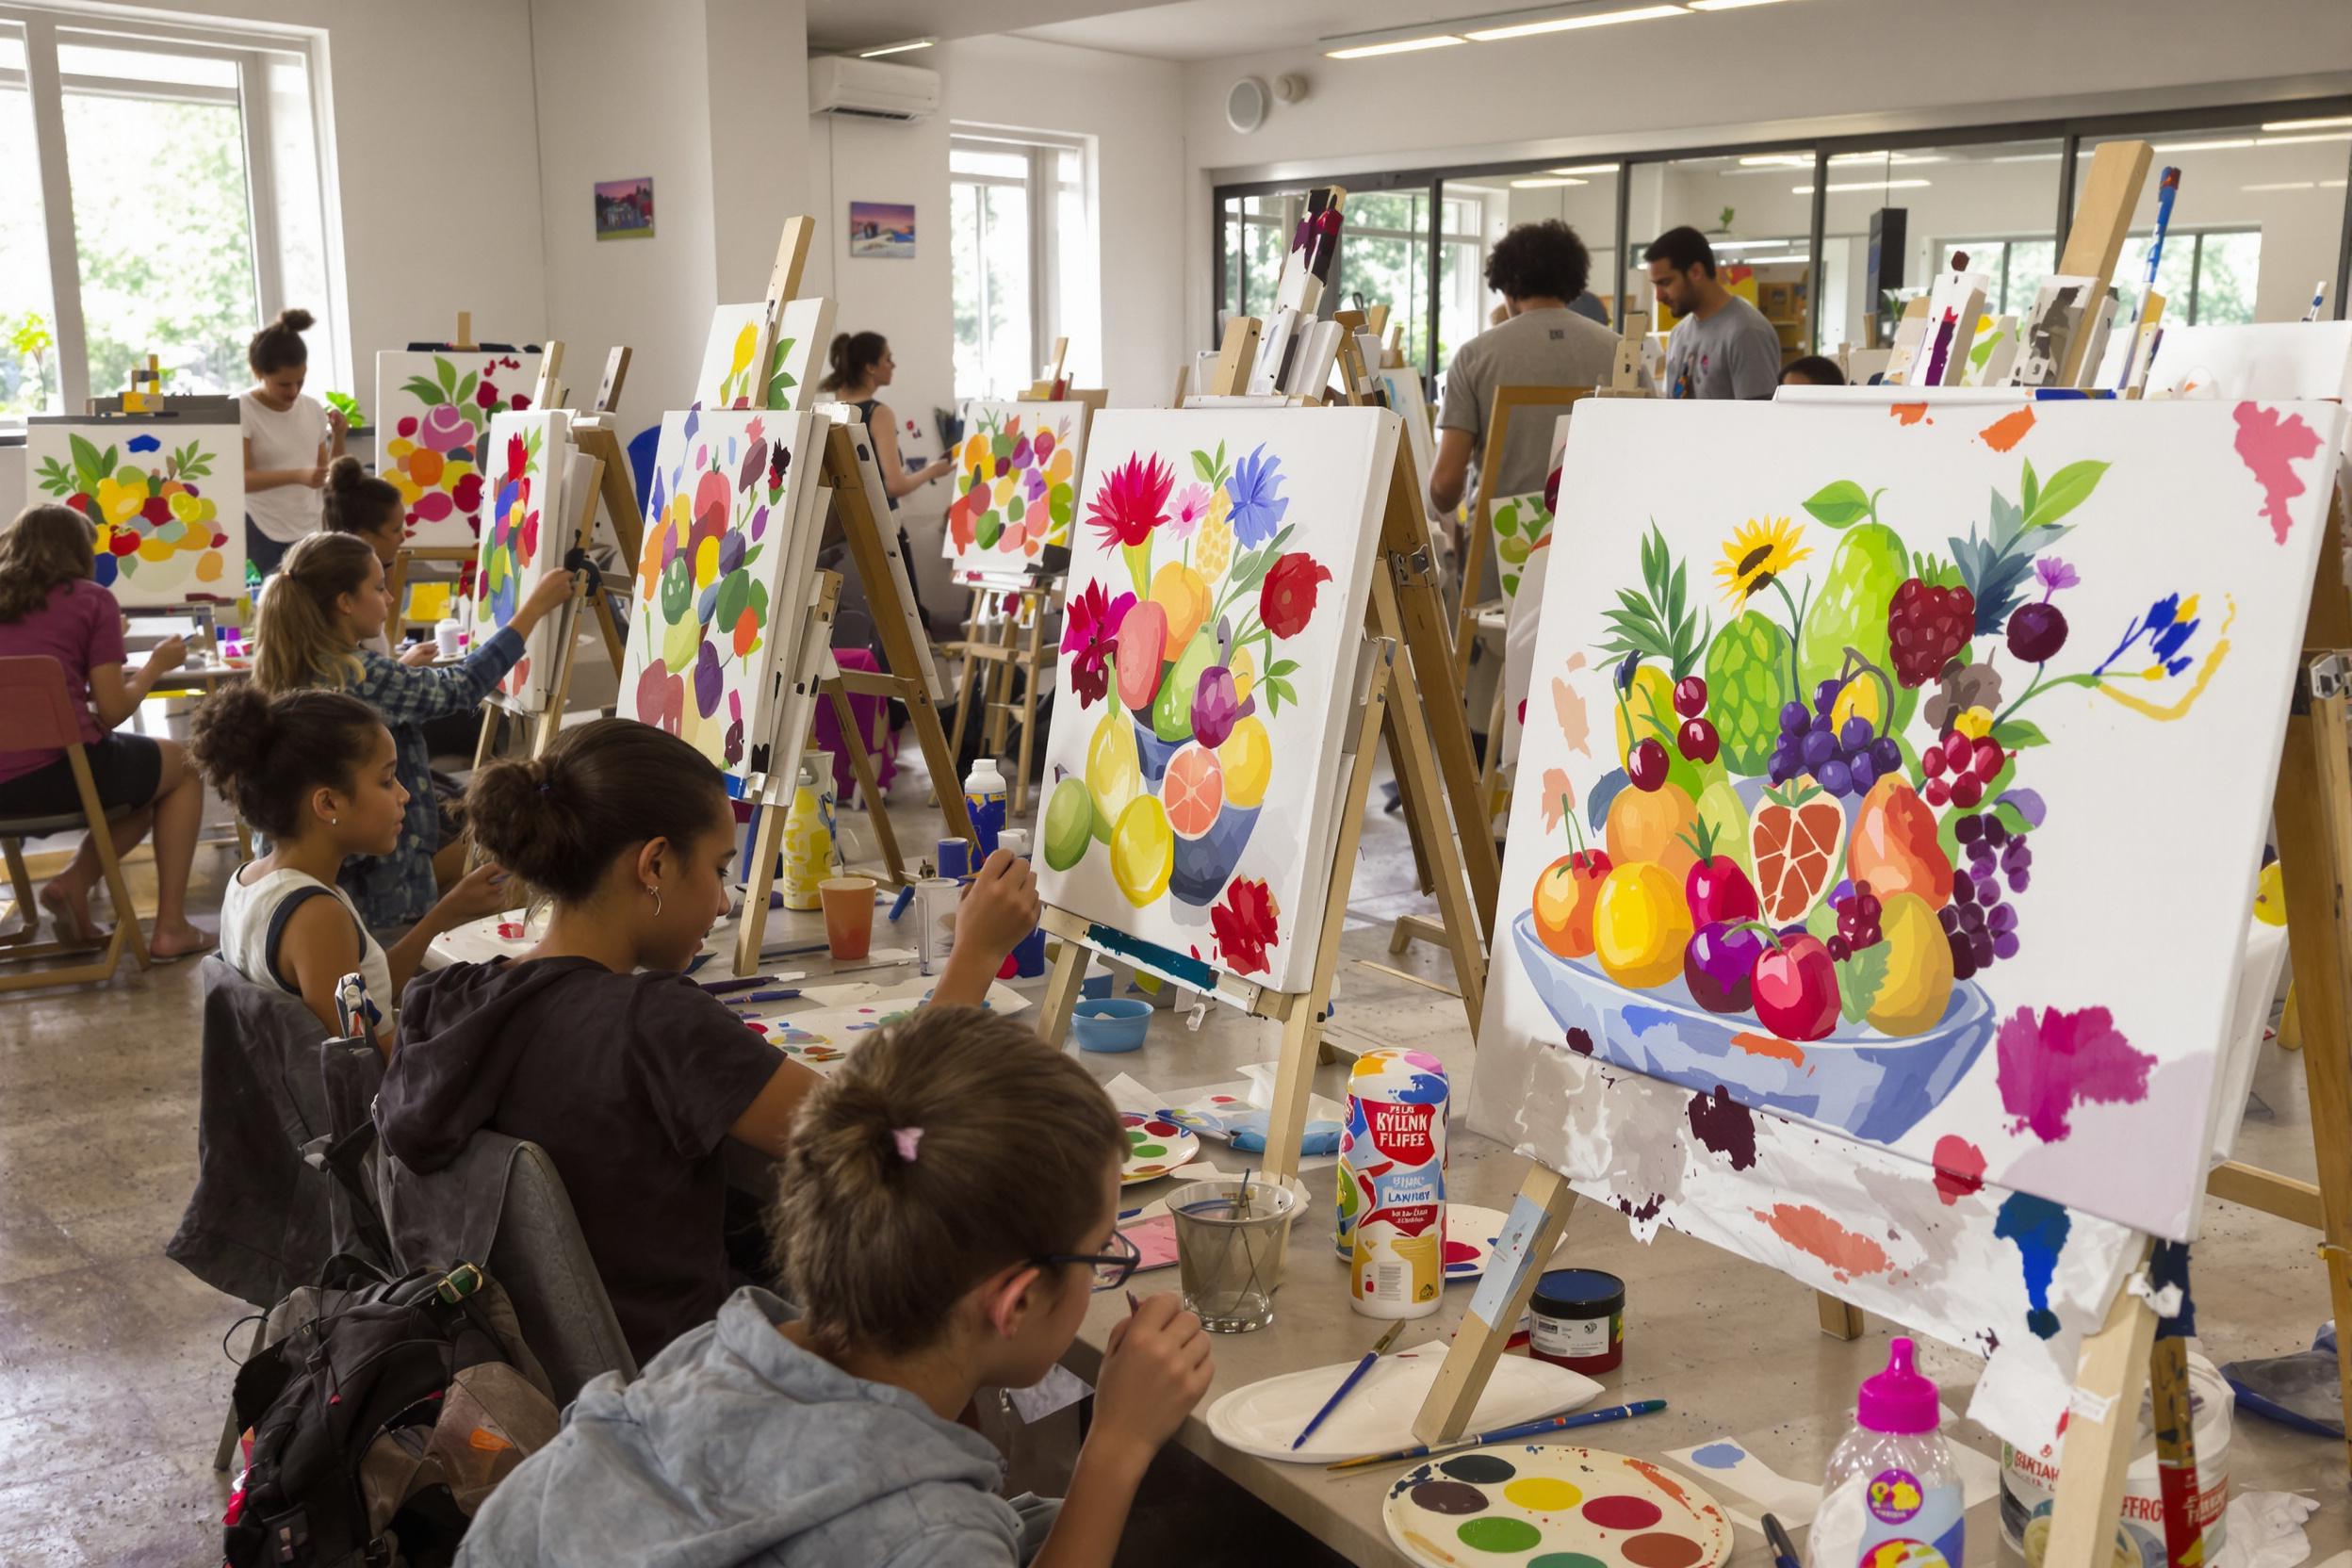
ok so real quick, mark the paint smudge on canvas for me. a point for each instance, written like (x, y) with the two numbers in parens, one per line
(2271, 444)
(2039, 1229)
(1809, 1230)
(2051, 1064)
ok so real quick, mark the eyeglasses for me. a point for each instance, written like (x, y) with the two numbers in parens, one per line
(1112, 1270)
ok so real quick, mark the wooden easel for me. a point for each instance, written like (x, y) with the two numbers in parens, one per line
(1051, 387)
(1401, 619)
(1004, 642)
(2312, 809)
(1507, 401)
(549, 720)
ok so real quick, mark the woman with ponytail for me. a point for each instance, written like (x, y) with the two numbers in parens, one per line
(289, 440)
(325, 603)
(594, 1045)
(859, 365)
(317, 772)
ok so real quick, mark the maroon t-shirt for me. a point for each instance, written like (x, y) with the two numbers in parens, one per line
(81, 628)
(630, 1082)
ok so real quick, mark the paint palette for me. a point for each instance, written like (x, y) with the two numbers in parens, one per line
(1156, 1146)
(1236, 1121)
(802, 1045)
(1542, 1505)
(1471, 1235)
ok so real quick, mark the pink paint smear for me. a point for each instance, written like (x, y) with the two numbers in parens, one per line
(2271, 444)
(2048, 1068)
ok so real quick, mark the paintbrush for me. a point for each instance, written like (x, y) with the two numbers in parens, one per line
(1507, 1434)
(1379, 1349)
(1784, 1549)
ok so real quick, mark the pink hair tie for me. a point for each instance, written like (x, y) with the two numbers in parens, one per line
(908, 1139)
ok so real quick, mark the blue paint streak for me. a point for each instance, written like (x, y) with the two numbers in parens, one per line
(2039, 1227)
(1719, 1456)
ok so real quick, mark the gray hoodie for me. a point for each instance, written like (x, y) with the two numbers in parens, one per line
(736, 1446)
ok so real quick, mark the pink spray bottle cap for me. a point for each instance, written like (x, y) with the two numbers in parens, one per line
(1897, 1399)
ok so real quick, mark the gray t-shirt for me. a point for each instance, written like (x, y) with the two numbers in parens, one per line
(1732, 354)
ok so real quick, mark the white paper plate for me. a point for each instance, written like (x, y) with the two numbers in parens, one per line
(1468, 1225)
(1377, 1415)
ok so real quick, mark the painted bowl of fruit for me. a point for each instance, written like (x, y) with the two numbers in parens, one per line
(1856, 1079)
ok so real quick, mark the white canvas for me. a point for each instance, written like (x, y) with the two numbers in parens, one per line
(2062, 308)
(1993, 353)
(167, 499)
(1961, 1152)
(431, 416)
(1521, 522)
(2270, 359)
(1215, 618)
(1016, 485)
(727, 378)
(526, 532)
(1955, 301)
(722, 589)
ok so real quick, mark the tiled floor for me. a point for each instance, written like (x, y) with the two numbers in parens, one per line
(113, 1381)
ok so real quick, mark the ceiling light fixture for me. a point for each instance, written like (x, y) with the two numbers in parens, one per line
(900, 47)
(1544, 184)
(1726, 4)
(2284, 184)
(1503, 30)
(2306, 124)
(1585, 168)
(2221, 145)
(1776, 160)
(1388, 47)
(2288, 140)
(1833, 187)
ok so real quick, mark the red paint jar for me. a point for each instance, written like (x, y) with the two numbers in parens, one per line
(1578, 1320)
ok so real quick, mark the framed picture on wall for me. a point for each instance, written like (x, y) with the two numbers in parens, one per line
(625, 208)
(884, 229)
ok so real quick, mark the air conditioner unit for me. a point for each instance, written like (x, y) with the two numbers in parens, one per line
(872, 90)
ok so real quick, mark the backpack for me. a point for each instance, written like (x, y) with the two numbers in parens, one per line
(381, 1411)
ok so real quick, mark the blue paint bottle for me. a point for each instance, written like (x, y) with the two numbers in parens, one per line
(984, 797)
(1027, 960)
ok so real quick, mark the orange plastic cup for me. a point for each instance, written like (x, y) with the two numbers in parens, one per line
(848, 914)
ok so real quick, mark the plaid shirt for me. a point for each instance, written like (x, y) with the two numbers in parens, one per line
(397, 889)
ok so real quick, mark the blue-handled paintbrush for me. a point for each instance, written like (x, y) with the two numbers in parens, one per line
(1348, 1382)
(1507, 1434)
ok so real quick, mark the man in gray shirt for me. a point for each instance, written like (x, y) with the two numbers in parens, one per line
(1723, 347)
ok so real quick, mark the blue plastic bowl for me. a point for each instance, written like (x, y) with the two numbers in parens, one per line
(1113, 1024)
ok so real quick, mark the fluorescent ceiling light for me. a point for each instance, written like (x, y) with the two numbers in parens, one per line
(1782, 160)
(899, 48)
(1726, 4)
(1748, 244)
(2306, 124)
(2284, 184)
(1543, 184)
(2029, 158)
(1585, 169)
(1860, 185)
(2285, 140)
(2223, 144)
(1563, 24)
(1393, 46)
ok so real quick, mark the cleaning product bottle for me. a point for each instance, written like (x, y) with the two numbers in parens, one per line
(984, 797)
(1892, 1481)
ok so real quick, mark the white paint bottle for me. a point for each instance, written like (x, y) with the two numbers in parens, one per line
(1392, 1183)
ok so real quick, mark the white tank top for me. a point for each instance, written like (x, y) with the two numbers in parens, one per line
(254, 916)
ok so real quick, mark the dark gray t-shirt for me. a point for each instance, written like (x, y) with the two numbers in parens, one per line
(1732, 354)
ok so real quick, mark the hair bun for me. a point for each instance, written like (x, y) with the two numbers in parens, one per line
(345, 474)
(295, 319)
(233, 734)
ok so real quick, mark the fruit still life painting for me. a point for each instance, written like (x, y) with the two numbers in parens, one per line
(165, 502)
(1908, 777)
(1210, 643)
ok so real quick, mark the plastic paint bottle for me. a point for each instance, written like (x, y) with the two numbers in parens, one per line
(1027, 958)
(984, 798)
(808, 833)
(1392, 1183)
(1892, 1482)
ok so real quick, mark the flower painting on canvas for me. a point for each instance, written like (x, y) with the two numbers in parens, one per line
(433, 416)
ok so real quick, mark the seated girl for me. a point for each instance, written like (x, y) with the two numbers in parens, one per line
(830, 1437)
(359, 503)
(326, 600)
(316, 770)
(594, 1045)
(49, 605)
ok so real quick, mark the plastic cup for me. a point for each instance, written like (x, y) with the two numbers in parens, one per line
(450, 637)
(1229, 1241)
(848, 914)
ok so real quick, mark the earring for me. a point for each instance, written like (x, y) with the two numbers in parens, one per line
(657, 901)
(334, 821)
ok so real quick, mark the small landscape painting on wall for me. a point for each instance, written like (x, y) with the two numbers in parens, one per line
(884, 229)
(625, 208)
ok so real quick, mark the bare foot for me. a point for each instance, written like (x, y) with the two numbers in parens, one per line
(179, 941)
(71, 911)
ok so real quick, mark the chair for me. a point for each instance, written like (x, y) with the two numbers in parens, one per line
(502, 1202)
(34, 715)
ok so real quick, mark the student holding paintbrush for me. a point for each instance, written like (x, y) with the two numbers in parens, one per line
(948, 1208)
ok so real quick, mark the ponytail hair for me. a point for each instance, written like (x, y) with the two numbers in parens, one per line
(559, 821)
(852, 358)
(301, 644)
(45, 546)
(948, 1113)
(359, 502)
(278, 346)
(268, 753)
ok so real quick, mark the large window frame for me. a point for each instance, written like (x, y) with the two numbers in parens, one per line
(250, 52)
(2075, 134)
(1048, 282)
(1422, 309)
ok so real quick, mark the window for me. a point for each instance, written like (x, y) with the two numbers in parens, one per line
(2014, 269)
(1023, 259)
(174, 201)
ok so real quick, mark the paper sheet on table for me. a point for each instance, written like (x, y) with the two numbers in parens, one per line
(827, 1021)
(1980, 1472)
(1729, 1470)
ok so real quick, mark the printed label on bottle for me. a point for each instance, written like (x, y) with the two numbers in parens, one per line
(1572, 1338)
(1895, 1496)
(1911, 1524)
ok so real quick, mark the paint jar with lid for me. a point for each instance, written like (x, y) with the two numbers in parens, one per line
(1577, 1319)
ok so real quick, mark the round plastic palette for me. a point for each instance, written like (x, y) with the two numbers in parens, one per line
(1540, 1504)
(1156, 1146)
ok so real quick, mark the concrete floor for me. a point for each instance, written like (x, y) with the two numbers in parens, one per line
(113, 1379)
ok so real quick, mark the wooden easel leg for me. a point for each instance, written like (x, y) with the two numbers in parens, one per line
(869, 789)
(1544, 1203)
(751, 931)
(1421, 614)
(1061, 986)
(2289, 1023)
(21, 893)
(1000, 687)
(1839, 1319)
(2091, 1464)
(1414, 810)
(1033, 663)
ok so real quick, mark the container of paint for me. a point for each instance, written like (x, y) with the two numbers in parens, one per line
(1392, 1183)
(936, 898)
(1892, 1493)
(953, 857)
(2029, 1482)
(984, 799)
(808, 832)
(1027, 959)
(1577, 1319)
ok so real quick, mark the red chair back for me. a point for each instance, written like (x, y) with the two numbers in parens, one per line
(35, 712)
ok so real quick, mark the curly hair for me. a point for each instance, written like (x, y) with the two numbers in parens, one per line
(1539, 261)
